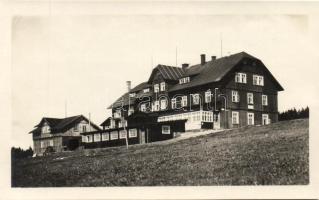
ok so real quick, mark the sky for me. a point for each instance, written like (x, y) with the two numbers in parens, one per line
(84, 61)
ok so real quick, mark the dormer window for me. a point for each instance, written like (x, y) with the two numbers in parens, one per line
(132, 94)
(240, 78)
(146, 90)
(163, 86)
(184, 80)
(156, 88)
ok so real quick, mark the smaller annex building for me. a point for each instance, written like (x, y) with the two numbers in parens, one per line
(60, 134)
(139, 128)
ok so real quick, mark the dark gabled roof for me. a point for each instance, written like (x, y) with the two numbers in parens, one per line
(167, 72)
(211, 71)
(108, 120)
(124, 100)
(60, 124)
(140, 87)
(66, 122)
(51, 121)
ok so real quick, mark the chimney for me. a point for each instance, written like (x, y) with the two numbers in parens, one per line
(213, 58)
(128, 86)
(185, 65)
(202, 59)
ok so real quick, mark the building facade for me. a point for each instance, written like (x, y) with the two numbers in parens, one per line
(228, 92)
(221, 93)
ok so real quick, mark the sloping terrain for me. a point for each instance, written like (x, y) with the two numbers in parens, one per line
(273, 154)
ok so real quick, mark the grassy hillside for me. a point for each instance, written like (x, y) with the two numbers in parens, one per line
(273, 154)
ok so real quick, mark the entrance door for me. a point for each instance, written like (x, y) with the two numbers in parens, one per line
(216, 121)
(142, 136)
(73, 144)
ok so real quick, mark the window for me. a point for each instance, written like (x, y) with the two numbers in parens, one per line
(208, 96)
(105, 136)
(195, 99)
(250, 119)
(184, 80)
(258, 80)
(130, 111)
(132, 94)
(235, 117)
(162, 86)
(83, 128)
(250, 98)
(243, 78)
(163, 104)
(114, 135)
(235, 96)
(46, 129)
(97, 137)
(51, 143)
(156, 106)
(117, 113)
(143, 107)
(84, 140)
(184, 101)
(132, 133)
(156, 88)
(187, 79)
(265, 119)
(146, 90)
(122, 123)
(173, 103)
(240, 78)
(122, 134)
(89, 138)
(76, 127)
(264, 100)
(166, 129)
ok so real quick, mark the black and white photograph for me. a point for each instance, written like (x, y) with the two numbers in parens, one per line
(161, 94)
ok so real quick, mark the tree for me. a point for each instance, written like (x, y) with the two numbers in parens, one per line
(294, 114)
(18, 153)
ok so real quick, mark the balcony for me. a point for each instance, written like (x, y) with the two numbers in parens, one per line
(195, 116)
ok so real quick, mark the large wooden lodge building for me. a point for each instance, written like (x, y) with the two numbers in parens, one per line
(228, 92)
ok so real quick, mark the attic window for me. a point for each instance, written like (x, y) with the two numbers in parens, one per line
(184, 80)
(76, 127)
(241, 78)
(146, 90)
